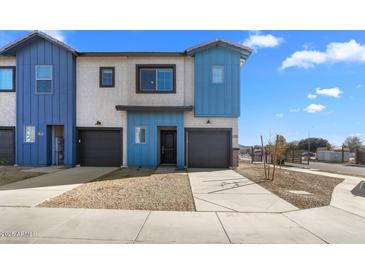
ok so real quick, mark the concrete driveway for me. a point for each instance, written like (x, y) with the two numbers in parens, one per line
(226, 190)
(33, 191)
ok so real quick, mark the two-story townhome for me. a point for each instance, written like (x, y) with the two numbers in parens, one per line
(59, 106)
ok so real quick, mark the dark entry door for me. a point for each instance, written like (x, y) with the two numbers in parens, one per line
(168, 147)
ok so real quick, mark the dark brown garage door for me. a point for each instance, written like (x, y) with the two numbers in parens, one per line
(100, 147)
(7, 151)
(208, 148)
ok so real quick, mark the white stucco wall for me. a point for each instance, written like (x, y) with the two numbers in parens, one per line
(95, 103)
(189, 81)
(98, 104)
(7, 99)
(215, 122)
(184, 82)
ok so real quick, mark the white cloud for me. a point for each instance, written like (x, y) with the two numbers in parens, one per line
(57, 34)
(312, 96)
(263, 41)
(314, 108)
(359, 86)
(331, 92)
(279, 115)
(294, 110)
(304, 59)
(350, 51)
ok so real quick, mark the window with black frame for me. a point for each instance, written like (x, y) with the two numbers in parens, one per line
(7, 79)
(156, 79)
(107, 77)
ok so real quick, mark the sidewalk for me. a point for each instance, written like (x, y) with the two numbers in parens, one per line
(33, 191)
(61, 225)
(333, 167)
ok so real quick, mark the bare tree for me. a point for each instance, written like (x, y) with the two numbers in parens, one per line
(353, 143)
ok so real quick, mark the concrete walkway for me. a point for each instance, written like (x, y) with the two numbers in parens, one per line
(226, 190)
(342, 196)
(334, 167)
(33, 191)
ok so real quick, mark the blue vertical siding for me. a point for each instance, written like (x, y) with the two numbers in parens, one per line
(217, 99)
(58, 108)
(147, 155)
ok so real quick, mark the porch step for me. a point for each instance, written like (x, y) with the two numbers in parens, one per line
(165, 169)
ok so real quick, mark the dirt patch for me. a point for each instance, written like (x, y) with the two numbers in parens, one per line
(10, 174)
(131, 189)
(320, 187)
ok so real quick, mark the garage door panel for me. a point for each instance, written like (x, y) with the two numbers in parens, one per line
(7, 153)
(209, 149)
(100, 147)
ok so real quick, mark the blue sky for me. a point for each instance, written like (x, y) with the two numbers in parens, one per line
(295, 83)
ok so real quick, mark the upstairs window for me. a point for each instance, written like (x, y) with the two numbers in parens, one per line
(7, 79)
(155, 78)
(217, 74)
(140, 135)
(107, 77)
(43, 77)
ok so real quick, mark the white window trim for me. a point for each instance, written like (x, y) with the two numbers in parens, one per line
(136, 135)
(157, 70)
(221, 67)
(25, 134)
(43, 78)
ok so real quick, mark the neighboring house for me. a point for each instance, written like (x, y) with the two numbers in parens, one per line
(60, 106)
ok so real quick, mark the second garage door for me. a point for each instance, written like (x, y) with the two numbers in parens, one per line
(7, 155)
(100, 147)
(208, 148)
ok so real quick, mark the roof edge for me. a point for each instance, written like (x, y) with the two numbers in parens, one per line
(29, 36)
(154, 108)
(131, 54)
(244, 50)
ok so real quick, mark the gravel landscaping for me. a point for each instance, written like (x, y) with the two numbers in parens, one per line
(129, 188)
(11, 174)
(291, 185)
